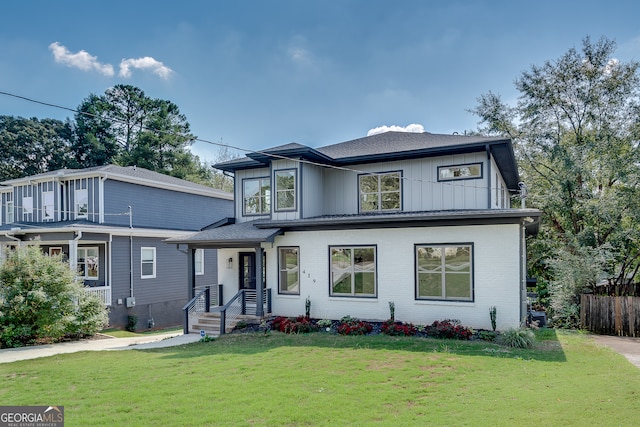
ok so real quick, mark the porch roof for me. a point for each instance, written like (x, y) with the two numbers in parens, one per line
(241, 235)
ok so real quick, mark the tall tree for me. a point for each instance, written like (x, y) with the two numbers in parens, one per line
(126, 127)
(576, 129)
(31, 146)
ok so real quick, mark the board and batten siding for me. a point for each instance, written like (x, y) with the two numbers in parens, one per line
(496, 275)
(160, 208)
(421, 190)
(311, 197)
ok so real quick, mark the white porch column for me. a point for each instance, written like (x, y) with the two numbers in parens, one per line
(73, 254)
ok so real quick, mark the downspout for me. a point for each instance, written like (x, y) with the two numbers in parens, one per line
(130, 253)
(73, 250)
(523, 273)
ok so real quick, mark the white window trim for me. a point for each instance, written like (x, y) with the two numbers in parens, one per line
(79, 191)
(85, 249)
(27, 205)
(153, 261)
(45, 195)
(10, 217)
(199, 253)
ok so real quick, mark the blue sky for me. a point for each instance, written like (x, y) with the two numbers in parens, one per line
(256, 74)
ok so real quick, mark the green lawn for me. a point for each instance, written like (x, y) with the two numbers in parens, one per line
(324, 379)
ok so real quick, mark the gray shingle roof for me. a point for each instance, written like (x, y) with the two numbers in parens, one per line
(243, 234)
(128, 173)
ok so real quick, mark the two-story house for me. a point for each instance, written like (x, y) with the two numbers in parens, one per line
(110, 223)
(418, 219)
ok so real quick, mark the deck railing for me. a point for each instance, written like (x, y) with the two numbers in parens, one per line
(103, 292)
(244, 302)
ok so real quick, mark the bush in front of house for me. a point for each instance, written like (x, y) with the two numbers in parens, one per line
(398, 328)
(42, 301)
(450, 329)
(517, 338)
(293, 325)
(352, 326)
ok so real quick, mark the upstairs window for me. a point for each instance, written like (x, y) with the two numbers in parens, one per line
(82, 203)
(47, 206)
(27, 206)
(380, 192)
(9, 201)
(256, 196)
(285, 190)
(451, 173)
(443, 272)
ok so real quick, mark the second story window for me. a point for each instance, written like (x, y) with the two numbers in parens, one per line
(47, 205)
(82, 203)
(9, 201)
(256, 196)
(27, 206)
(379, 192)
(285, 190)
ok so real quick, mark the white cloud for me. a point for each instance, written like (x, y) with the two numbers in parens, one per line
(146, 63)
(415, 128)
(82, 60)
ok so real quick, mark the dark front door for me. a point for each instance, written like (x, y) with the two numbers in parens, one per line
(247, 270)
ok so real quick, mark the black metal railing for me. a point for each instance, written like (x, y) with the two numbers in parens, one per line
(242, 303)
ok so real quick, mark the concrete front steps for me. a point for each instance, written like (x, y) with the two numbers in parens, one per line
(210, 323)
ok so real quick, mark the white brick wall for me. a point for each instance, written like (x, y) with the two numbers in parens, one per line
(496, 267)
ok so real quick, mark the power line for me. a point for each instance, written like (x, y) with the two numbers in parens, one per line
(453, 183)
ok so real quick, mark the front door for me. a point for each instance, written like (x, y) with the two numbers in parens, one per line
(247, 270)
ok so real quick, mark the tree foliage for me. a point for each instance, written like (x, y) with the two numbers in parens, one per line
(31, 146)
(123, 126)
(576, 130)
(41, 300)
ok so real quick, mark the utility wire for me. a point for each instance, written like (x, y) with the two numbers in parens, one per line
(454, 183)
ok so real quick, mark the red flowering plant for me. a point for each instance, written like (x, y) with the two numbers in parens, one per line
(293, 325)
(398, 328)
(449, 328)
(351, 326)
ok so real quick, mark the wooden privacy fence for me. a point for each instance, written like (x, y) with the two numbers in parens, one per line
(610, 315)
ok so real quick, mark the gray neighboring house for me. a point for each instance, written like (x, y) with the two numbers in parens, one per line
(111, 223)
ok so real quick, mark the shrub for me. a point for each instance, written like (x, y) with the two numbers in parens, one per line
(41, 300)
(398, 328)
(449, 328)
(487, 335)
(518, 338)
(352, 326)
(132, 322)
(293, 325)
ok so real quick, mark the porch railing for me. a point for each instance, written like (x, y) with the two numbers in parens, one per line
(242, 303)
(103, 292)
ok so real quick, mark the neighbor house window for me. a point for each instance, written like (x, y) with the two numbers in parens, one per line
(47, 205)
(379, 192)
(88, 263)
(285, 181)
(198, 260)
(289, 267)
(444, 272)
(353, 271)
(256, 196)
(470, 171)
(9, 201)
(147, 263)
(27, 206)
(82, 203)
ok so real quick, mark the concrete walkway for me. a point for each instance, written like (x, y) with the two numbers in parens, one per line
(135, 343)
(629, 347)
